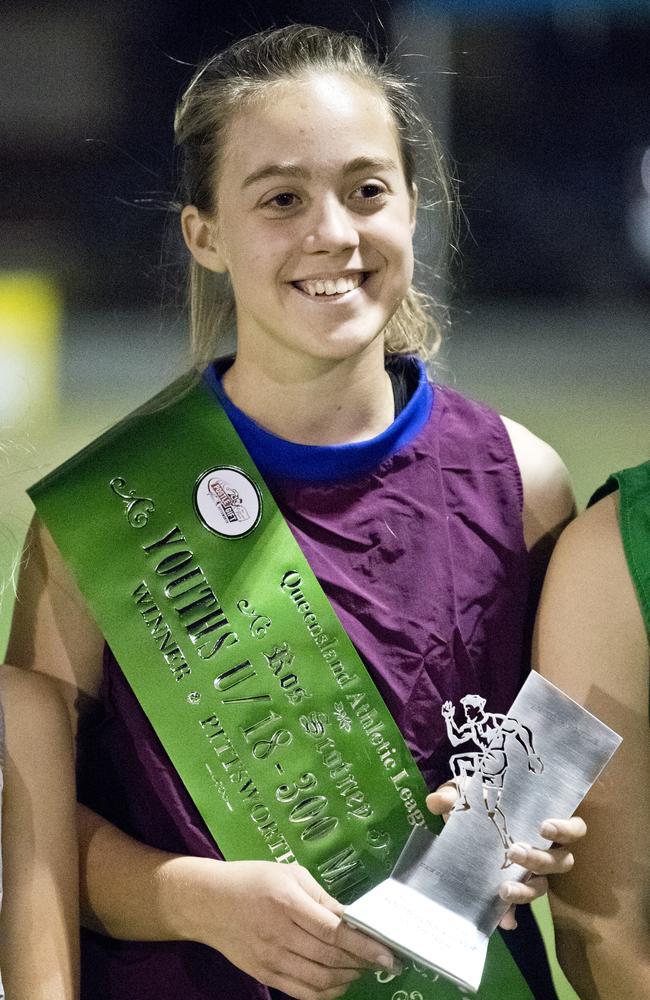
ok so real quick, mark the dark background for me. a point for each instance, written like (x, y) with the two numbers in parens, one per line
(544, 110)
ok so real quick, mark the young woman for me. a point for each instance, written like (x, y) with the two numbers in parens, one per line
(426, 517)
(592, 640)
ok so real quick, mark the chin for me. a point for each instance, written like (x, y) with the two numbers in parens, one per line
(344, 343)
(345, 348)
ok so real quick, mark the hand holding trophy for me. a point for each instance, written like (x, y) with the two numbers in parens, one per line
(443, 899)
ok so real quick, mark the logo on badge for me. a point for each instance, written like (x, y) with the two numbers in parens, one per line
(228, 502)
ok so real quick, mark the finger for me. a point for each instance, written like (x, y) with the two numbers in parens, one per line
(329, 955)
(524, 892)
(314, 974)
(315, 918)
(320, 922)
(508, 921)
(556, 861)
(443, 799)
(329, 902)
(564, 831)
(364, 947)
(317, 893)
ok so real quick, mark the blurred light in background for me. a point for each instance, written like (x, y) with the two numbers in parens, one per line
(539, 103)
(30, 325)
(542, 105)
(638, 218)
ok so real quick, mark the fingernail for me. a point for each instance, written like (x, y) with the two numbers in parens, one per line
(506, 891)
(390, 963)
(549, 830)
(517, 853)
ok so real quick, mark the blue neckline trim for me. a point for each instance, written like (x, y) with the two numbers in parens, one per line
(274, 456)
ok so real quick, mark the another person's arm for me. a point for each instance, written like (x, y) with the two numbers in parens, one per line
(39, 922)
(56, 653)
(590, 640)
(291, 939)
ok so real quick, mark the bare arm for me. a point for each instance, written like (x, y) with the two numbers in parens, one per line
(549, 503)
(590, 640)
(292, 939)
(39, 923)
(52, 632)
(174, 897)
(456, 734)
(57, 654)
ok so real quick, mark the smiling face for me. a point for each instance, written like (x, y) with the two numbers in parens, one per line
(313, 221)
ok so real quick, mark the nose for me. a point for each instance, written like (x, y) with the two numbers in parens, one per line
(331, 229)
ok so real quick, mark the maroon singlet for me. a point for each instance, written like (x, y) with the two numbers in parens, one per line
(422, 556)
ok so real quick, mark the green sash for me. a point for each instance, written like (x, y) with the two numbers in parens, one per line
(236, 656)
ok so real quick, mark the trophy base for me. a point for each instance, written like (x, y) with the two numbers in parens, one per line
(423, 930)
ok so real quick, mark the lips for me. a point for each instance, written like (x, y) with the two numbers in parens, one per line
(331, 285)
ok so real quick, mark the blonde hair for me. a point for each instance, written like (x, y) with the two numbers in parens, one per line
(242, 74)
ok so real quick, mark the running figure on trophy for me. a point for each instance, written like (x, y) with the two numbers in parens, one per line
(490, 732)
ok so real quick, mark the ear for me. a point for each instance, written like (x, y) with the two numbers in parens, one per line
(202, 240)
(414, 207)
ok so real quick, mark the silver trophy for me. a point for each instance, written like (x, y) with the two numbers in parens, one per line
(441, 902)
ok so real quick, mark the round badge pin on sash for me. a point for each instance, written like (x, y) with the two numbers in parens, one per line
(228, 502)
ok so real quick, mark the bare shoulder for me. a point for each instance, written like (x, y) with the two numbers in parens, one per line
(549, 503)
(589, 560)
(594, 540)
(590, 640)
(590, 627)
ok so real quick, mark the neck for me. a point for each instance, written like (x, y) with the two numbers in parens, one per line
(314, 401)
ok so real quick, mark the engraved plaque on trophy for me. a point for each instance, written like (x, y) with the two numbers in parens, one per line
(441, 902)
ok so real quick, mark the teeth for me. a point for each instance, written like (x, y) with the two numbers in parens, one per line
(330, 286)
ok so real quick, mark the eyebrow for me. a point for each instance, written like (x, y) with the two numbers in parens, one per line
(359, 164)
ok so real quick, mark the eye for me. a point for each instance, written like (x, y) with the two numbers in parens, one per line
(371, 194)
(285, 199)
(370, 190)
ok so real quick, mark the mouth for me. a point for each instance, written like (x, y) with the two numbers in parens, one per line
(332, 286)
